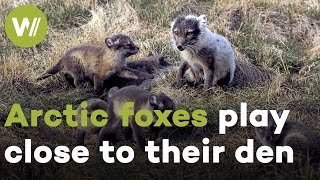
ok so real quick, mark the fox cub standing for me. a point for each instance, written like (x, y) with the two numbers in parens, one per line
(142, 100)
(97, 63)
(203, 51)
(304, 141)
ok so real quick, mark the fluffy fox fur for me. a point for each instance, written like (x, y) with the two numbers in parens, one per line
(142, 100)
(204, 51)
(93, 104)
(304, 140)
(151, 65)
(97, 63)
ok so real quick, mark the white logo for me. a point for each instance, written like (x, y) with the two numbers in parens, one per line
(25, 25)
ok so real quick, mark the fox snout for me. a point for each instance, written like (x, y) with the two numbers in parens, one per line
(180, 43)
(133, 50)
(136, 49)
(180, 47)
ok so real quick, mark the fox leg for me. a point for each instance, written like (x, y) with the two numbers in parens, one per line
(179, 76)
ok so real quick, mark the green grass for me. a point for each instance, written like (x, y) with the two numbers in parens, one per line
(62, 16)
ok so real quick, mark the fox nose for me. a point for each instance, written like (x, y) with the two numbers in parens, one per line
(180, 48)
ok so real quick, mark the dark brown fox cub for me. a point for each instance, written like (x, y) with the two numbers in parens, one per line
(93, 104)
(151, 64)
(304, 140)
(97, 63)
(142, 100)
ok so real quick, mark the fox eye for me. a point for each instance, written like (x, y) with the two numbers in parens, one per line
(175, 32)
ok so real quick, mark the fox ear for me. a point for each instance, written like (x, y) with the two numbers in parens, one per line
(154, 99)
(280, 112)
(109, 42)
(203, 19)
(172, 24)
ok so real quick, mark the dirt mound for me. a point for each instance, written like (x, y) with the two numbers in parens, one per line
(247, 74)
